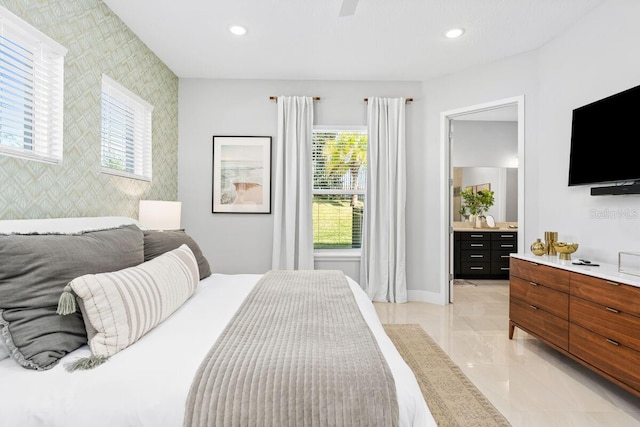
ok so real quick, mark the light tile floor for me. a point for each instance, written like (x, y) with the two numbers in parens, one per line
(527, 381)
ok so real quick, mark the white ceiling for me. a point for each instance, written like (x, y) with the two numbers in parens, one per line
(308, 40)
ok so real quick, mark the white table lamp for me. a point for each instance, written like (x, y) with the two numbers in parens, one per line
(159, 214)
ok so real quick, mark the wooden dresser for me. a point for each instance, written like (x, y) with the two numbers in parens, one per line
(591, 314)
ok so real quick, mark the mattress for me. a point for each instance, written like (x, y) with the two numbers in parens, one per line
(147, 383)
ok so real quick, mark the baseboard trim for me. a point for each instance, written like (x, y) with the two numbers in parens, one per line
(424, 296)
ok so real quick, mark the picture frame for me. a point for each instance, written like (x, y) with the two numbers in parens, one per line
(479, 187)
(241, 178)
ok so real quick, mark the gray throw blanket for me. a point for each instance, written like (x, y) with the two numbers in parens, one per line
(297, 353)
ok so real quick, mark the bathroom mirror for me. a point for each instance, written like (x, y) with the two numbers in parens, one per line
(503, 182)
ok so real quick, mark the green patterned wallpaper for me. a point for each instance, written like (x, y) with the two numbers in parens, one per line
(97, 42)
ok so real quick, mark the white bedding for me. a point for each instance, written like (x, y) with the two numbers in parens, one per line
(147, 383)
(64, 225)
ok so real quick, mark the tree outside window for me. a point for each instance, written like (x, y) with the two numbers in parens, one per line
(339, 183)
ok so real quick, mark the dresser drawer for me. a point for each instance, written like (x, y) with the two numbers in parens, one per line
(606, 321)
(619, 361)
(539, 322)
(543, 275)
(502, 257)
(500, 236)
(479, 268)
(504, 245)
(475, 235)
(547, 299)
(475, 256)
(500, 269)
(500, 262)
(611, 294)
(475, 244)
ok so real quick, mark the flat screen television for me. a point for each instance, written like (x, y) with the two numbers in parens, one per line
(604, 137)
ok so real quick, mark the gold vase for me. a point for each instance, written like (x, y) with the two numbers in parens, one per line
(550, 238)
(538, 248)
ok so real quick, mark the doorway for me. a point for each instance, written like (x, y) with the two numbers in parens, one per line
(486, 111)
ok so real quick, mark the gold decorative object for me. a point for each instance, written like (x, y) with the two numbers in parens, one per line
(565, 249)
(550, 237)
(538, 248)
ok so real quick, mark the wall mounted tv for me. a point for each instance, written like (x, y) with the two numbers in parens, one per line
(604, 135)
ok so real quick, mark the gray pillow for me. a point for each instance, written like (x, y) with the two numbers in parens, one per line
(158, 242)
(35, 270)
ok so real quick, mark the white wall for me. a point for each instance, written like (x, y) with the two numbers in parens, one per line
(501, 80)
(591, 60)
(241, 243)
(484, 143)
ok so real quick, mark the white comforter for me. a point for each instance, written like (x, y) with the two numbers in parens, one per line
(147, 383)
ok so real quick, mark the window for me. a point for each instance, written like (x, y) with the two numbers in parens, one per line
(126, 132)
(339, 183)
(31, 91)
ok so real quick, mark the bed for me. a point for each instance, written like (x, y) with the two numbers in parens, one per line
(147, 383)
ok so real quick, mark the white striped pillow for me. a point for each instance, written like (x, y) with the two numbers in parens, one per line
(120, 307)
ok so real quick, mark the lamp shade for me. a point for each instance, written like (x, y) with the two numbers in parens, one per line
(159, 214)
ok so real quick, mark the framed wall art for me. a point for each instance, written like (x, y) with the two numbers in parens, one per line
(241, 174)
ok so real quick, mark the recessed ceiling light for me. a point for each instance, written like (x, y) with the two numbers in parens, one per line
(238, 30)
(454, 33)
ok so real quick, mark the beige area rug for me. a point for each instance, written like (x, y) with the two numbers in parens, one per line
(450, 395)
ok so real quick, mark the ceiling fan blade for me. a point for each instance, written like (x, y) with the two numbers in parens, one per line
(348, 7)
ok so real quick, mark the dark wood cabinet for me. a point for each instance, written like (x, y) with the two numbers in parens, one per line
(590, 319)
(483, 254)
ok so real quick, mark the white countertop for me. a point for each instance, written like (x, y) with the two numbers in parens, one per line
(500, 226)
(604, 271)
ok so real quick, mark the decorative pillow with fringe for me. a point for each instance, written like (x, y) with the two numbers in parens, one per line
(120, 307)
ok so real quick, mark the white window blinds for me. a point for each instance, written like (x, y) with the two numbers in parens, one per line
(126, 132)
(31, 91)
(339, 183)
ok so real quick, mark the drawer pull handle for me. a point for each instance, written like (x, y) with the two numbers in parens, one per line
(533, 307)
(477, 235)
(506, 246)
(476, 256)
(476, 268)
(612, 342)
(506, 236)
(612, 283)
(504, 268)
(613, 310)
(505, 256)
(533, 283)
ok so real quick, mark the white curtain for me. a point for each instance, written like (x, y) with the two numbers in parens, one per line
(382, 267)
(292, 228)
